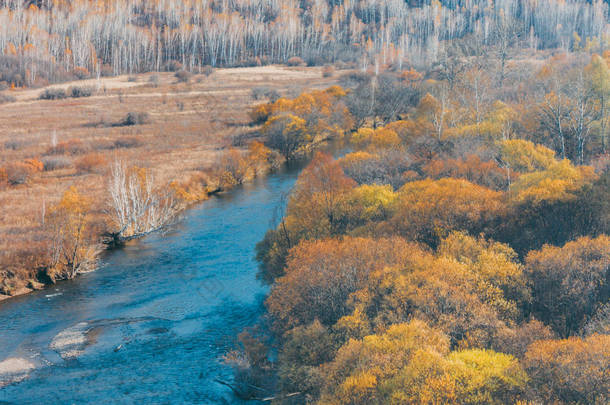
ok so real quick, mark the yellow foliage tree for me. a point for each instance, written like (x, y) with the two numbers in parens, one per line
(72, 248)
(427, 210)
(368, 202)
(501, 280)
(287, 133)
(410, 363)
(524, 156)
(558, 182)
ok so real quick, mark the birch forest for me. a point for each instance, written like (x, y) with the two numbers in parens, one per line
(48, 41)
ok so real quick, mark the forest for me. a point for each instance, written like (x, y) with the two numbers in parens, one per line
(44, 41)
(454, 250)
(448, 239)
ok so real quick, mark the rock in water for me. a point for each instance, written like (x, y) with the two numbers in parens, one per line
(71, 342)
(14, 369)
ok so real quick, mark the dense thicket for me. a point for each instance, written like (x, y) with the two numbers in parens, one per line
(53, 40)
(459, 252)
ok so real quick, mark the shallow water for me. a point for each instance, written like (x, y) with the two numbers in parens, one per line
(151, 325)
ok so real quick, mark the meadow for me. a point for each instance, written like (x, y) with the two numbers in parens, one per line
(178, 129)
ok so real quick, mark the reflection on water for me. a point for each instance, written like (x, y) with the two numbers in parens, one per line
(152, 324)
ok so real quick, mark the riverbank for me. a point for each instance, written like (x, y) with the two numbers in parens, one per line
(167, 309)
(184, 133)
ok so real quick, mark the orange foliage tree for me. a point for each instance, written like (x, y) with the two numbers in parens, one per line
(321, 275)
(570, 282)
(314, 206)
(471, 168)
(314, 211)
(571, 371)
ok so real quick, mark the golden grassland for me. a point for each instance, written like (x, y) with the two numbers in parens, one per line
(184, 132)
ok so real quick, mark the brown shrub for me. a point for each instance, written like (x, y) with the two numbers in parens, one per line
(71, 147)
(183, 76)
(7, 98)
(89, 163)
(174, 66)
(19, 173)
(55, 163)
(16, 144)
(53, 94)
(128, 142)
(295, 61)
(136, 118)
(265, 92)
(81, 72)
(80, 91)
(328, 71)
(102, 144)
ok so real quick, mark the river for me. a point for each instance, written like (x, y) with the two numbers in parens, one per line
(152, 323)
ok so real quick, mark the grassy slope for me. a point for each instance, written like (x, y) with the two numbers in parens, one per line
(190, 125)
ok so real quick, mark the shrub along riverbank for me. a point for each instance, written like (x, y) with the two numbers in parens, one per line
(457, 255)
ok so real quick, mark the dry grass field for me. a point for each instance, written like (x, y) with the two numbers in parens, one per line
(175, 129)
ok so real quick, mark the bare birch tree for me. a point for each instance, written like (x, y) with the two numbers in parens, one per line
(137, 208)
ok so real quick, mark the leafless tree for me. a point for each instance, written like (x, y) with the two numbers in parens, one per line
(583, 113)
(137, 208)
(138, 35)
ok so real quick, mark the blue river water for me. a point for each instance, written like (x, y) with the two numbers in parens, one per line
(152, 324)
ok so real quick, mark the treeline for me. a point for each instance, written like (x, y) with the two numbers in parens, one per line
(459, 253)
(47, 41)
